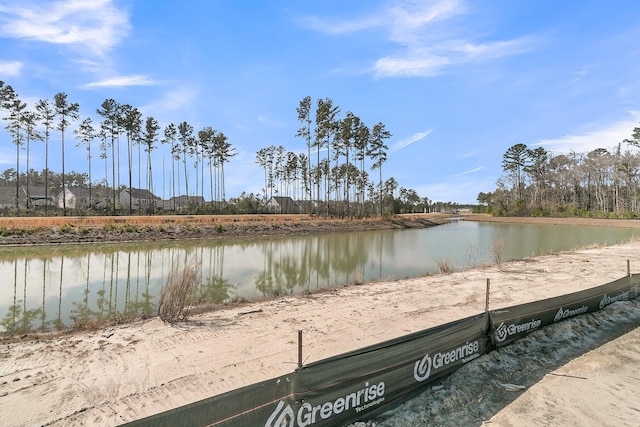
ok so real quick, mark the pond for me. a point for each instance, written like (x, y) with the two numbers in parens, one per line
(51, 287)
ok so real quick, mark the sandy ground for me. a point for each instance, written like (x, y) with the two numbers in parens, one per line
(123, 373)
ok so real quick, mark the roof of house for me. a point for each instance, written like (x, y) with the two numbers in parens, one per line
(140, 193)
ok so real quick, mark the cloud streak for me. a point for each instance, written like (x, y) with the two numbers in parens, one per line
(124, 81)
(428, 44)
(408, 141)
(96, 26)
(469, 172)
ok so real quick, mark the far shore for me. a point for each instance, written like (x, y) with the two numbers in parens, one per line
(105, 229)
(25, 231)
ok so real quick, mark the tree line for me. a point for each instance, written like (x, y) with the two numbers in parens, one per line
(121, 126)
(602, 182)
(332, 178)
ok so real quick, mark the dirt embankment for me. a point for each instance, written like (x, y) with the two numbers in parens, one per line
(71, 230)
(599, 222)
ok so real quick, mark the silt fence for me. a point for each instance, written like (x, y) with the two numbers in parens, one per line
(354, 386)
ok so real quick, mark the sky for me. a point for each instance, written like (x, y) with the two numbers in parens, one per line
(455, 82)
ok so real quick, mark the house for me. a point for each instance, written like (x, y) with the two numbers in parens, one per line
(83, 198)
(38, 196)
(282, 205)
(139, 199)
(8, 198)
(179, 202)
(67, 199)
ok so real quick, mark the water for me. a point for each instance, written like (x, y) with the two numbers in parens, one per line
(47, 288)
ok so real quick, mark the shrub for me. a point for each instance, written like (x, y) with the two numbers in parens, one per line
(66, 228)
(444, 266)
(497, 247)
(177, 297)
(130, 228)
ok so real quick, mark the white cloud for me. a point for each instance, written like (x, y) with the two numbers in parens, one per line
(429, 61)
(410, 66)
(607, 136)
(10, 68)
(124, 81)
(428, 43)
(408, 141)
(95, 25)
(478, 169)
(178, 99)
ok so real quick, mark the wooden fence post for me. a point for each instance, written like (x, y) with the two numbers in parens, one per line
(628, 268)
(299, 348)
(486, 303)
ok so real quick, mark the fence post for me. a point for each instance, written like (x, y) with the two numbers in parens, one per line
(628, 268)
(299, 348)
(486, 303)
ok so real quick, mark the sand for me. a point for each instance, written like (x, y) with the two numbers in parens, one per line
(123, 373)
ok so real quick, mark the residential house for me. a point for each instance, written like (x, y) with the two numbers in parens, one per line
(38, 196)
(78, 198)
(8, 197)
(282, 205)
(138, 199)
(179, 202)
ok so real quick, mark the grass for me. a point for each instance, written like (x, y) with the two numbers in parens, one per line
(444, 265)
(497, 247)
(177, 297)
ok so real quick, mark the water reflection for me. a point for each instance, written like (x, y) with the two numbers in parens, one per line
(50, 288)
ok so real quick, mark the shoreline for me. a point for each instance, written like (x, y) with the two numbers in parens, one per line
(24, 232)
(16, 232)
(122, 373)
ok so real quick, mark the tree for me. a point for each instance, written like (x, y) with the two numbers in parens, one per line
(223, 152)
(85, 134)
(47, 115)
(635, 138)
(170, 133)
(110, 113)
(304, 117)
(262, 161)
(361, 145)
(537, 168)
(378, 152)
(65, 111)
(346, 140)
(149, 137)
(11, 102)
(185, 136)
(326, 114)
(29, 120)
(514, 160)
(131, 122)
(205, 139)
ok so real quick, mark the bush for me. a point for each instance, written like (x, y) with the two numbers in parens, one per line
(444, 266)
(177, 297)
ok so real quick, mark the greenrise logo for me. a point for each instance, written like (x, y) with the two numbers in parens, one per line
(466, 353)
(308, 414)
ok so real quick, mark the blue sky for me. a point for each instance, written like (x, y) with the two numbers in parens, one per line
(455, 82)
